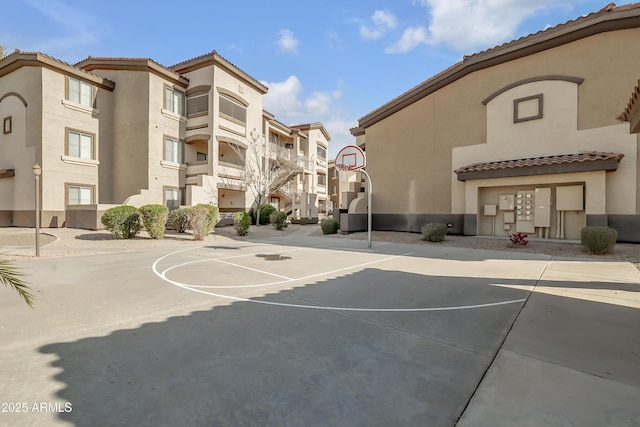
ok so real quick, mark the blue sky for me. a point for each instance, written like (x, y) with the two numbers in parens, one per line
(330, 61)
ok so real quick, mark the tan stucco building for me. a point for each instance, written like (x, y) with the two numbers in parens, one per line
(109, 131)
(522, 137)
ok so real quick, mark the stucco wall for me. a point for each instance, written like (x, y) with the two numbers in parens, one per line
(415, 144)
(19, 149)
(59, 170)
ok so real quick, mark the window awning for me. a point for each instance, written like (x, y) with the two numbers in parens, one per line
(545, 165)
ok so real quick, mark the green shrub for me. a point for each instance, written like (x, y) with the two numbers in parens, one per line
(598, 240)
(212, 215)
(242, 222)
(199, 221)
(329, 226)
(265, 213)
(434, 231)
(303, 221)
(122, 221)
(278, 220)
(179, 219)
(154, 219)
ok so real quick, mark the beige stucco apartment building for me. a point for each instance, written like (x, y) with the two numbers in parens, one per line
(109, 131)
(525, 137)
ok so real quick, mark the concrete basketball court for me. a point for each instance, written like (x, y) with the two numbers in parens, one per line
(316, 331)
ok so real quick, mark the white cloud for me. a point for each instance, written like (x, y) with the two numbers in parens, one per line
(382, 21)
(411, 38)
(287, 42)
(339, 129)
(470, 24)
(287, 102)
(282, 98)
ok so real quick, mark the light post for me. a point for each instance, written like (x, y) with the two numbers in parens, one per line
(37, 171)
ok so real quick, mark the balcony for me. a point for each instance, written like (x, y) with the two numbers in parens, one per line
(197, 168)
(231, 170)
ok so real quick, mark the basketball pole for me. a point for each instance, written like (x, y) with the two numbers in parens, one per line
(369, 206)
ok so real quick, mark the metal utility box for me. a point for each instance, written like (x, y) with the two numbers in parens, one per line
(542, 207)
(509, 218)
(570, 198)
(524, 211)
(490, 210)
(506, 202)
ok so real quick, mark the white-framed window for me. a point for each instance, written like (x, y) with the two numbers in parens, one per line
(172, 198)
(233, 108)
(201, 157)
(80, 92)
(322, 179)
(79, 195)
(174, 101)
(321, 152)
(80, 145)
(334, 190)
(172, 150)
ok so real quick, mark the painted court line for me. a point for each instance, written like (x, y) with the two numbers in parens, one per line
(200, 289)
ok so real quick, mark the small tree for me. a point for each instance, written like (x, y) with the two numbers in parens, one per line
(263, 175)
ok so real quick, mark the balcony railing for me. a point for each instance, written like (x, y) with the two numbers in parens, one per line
(231, 170)
(197, 168)
(278, 151)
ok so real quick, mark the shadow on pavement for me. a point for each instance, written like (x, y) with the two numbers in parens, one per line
(250, 364)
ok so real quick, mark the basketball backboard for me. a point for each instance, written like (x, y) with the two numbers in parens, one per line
(350, 158)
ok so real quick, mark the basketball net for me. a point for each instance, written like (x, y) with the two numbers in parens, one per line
(342, 169)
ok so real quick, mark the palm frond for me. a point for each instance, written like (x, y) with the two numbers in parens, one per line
(11, 277)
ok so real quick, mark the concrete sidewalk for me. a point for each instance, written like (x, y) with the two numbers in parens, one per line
(572, 357)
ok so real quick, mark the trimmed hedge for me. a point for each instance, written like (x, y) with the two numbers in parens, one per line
(598, 240)
(278, 220)
(434, 231)
(212, 215)
(242, 222)
(265, 213)
(179, 219)
(199, 221)
(329, 226)
(154, 219)
(122, 221)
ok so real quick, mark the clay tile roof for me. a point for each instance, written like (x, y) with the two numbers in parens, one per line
(214, 56)
(114, 59)
(558, 159)
(634, 103)
(545, 165)
(55, 62)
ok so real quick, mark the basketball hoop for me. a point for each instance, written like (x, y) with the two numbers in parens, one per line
(349, 158)
(352, 158)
